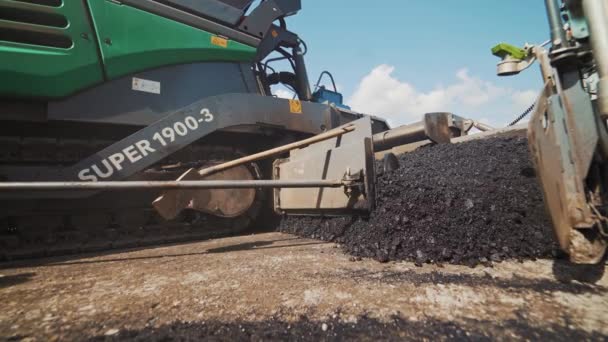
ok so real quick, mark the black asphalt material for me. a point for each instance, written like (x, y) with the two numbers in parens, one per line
(365, 329)
(471, 203)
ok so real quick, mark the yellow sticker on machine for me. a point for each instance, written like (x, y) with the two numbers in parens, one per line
(219, 41)
(295, 106)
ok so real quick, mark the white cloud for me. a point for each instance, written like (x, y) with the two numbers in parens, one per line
(283, 93)
(381, 93)
(524, 99)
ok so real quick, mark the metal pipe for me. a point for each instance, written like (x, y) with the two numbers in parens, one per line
(302, 83)
(276, 151)
(558, 36)
(401, 135)
(546, 69)
(168, 185)
(595, 11)
(483, 127)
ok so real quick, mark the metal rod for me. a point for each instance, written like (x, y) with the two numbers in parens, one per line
(483, 127)
(402, 135)
(545, 64)
(558, 36)
(275, 151)
(595, 11)
(302, 83)
(168, 185)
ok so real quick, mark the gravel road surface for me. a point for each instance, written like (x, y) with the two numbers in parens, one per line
(275, 286)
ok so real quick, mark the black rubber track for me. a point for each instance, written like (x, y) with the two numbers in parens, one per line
(120, 220)
(469, 203)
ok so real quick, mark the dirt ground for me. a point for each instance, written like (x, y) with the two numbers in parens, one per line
(278, 286)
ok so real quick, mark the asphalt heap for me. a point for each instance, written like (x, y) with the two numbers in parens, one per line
(471, 203)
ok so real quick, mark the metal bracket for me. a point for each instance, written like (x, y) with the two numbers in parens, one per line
(563, 146)
(439, 128)
(260, 20)
(277, 37)
(349, 157)
(148, 145)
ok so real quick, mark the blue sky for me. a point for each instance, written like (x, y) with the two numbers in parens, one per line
(405, 56)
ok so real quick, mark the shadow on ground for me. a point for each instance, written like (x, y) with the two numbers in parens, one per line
(513, 284)
(365, 328)
(73, 259)
(262, 245)
(11, 280)
(565, 271)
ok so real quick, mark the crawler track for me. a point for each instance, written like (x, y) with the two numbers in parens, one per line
(38, 228)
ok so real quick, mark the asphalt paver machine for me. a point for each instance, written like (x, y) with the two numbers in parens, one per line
(128, 122)
(99, 98)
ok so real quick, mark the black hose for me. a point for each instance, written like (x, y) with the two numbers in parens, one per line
(305, 47)
(523, 115)
(331, 77)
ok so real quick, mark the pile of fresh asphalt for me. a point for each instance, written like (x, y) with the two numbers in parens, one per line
(470, 203)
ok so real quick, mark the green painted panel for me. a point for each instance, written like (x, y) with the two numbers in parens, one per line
(29, 67)
(503, 49)
(134, 40)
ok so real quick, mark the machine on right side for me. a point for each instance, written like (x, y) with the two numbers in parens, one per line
(567, 132)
